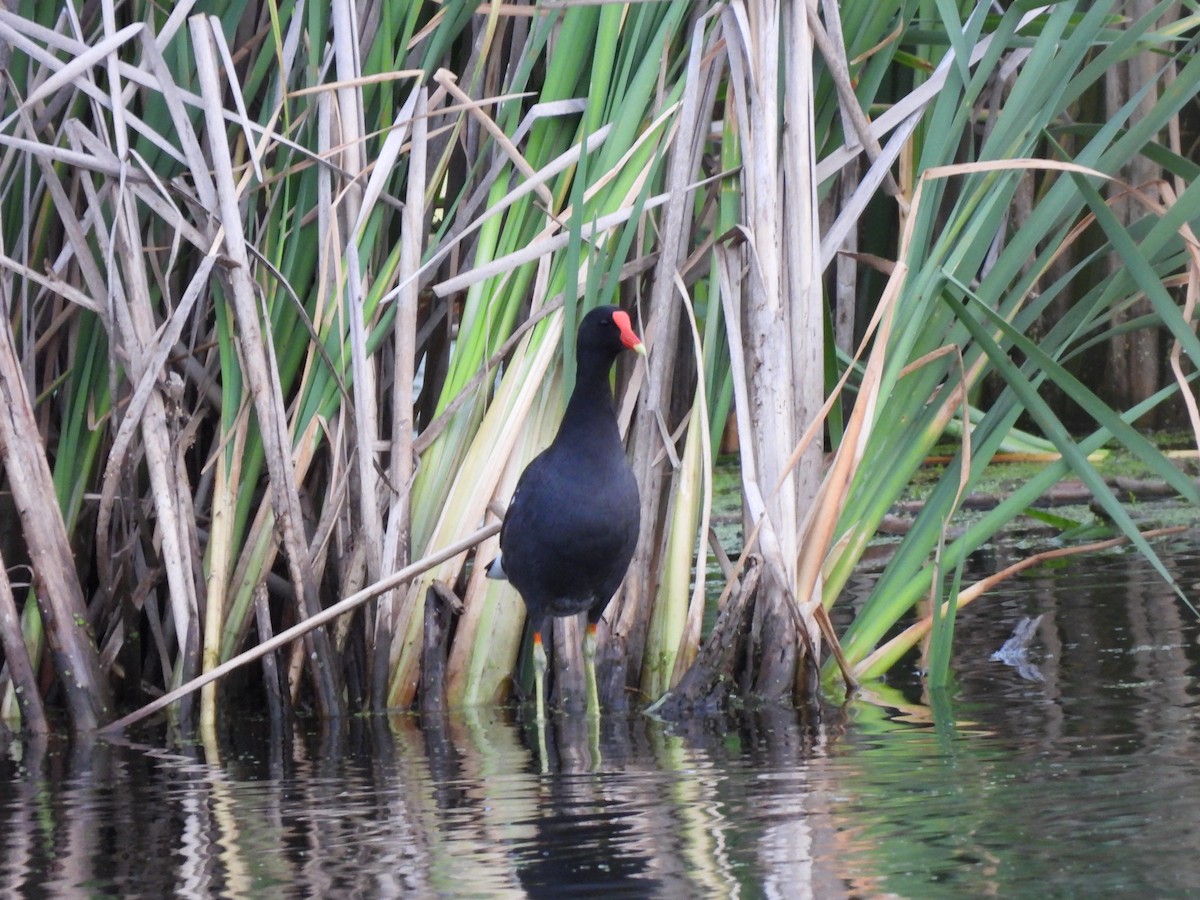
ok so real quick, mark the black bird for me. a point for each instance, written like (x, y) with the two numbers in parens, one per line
(572, 525)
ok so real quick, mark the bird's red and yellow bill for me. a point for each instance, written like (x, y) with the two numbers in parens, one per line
(628, 336)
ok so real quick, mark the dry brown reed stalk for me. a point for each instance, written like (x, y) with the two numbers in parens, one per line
(623, 644)
(262, 376)
(55, 582)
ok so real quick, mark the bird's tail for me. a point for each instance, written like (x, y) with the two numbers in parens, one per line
(495, 569)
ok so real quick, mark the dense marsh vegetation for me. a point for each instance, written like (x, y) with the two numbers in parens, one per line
(286, 287)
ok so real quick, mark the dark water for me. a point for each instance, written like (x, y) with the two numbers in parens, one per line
(1072, 772)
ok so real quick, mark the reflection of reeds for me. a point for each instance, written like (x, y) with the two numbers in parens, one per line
(287, 296)
(454, 805)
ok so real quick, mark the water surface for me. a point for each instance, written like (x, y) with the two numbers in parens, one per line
(1072, 773)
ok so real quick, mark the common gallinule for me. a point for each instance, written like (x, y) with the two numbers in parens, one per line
(570, 530)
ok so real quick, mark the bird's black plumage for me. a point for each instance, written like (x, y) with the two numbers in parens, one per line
(572, 525)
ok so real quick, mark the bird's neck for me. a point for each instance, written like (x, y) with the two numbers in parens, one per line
(590, 414)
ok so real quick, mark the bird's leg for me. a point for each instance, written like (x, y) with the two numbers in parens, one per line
(539, 676)
(589, 668)
(593, 695)
(539, 685)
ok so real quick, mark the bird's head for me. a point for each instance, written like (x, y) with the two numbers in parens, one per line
(609, 329)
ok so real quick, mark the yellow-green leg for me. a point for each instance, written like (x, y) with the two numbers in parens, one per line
(593, 694)
(539, 685)
(589, 669)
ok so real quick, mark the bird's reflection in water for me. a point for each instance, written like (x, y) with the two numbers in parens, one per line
(627, 804)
